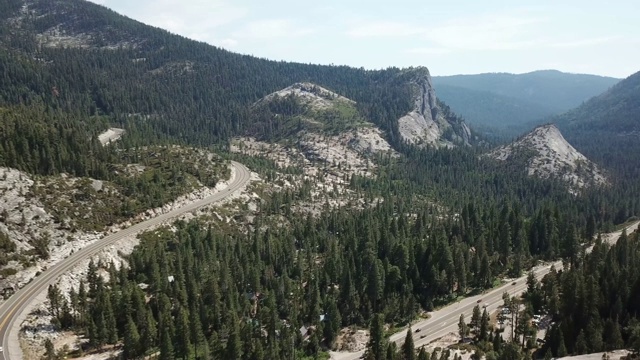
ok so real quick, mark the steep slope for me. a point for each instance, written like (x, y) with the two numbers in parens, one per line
(606, 127)
(504, 101)
(546, 154)
(430, 122)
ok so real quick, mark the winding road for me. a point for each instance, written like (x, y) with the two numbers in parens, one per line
(11, 310)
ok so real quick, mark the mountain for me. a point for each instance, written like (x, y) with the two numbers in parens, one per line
(302, 108)
(431, 122)
(100, 70)
(503, 100)
(546, 154)
(606, 128)
(317, 124)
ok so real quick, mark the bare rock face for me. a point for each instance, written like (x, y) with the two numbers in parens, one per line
(426, 124)
(547, 154)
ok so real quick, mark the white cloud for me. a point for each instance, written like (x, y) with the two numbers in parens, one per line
(228, 43)
(385, 29)
(201, 15)
(273, 28)
(488, 32)
(585, 42)
(428, 51)
(503, 31)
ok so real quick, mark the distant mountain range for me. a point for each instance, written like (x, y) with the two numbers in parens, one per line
(510, 103)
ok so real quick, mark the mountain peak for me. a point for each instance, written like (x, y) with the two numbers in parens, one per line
(317, 97)
(426, 124)
(547, 154)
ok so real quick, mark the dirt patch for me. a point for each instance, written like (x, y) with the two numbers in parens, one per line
(352, 340)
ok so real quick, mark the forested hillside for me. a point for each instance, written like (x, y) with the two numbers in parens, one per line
(96, 67)
(606, 127)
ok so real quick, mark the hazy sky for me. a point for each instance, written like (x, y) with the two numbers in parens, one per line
(448, 36)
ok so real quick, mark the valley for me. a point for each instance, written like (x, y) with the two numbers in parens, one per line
(167, 198)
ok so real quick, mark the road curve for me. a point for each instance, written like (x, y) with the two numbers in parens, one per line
(14, 306)
(445, 320)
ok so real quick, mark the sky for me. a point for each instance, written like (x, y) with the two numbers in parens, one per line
(447, 36)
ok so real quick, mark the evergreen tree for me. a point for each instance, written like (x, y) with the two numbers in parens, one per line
(476, 318)
(233, 350)
(332, 326)
(613, 336)
(166, 344)
(581, 344)
(462, 328)
(423, 354)
(110, 322)
(131, 348)
(377, 346)
(184, 348)
(561, 350)
(408, 348)
(49, 350)
(391, 352)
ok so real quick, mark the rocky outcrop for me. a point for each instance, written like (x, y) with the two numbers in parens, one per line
(546, 154)
(427, 124)
(316, 96)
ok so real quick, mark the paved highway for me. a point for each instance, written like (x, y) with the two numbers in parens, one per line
(11, 310)
(445, 320)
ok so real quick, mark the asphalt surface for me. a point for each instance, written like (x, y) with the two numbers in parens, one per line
(445, 320)
(11, 310)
